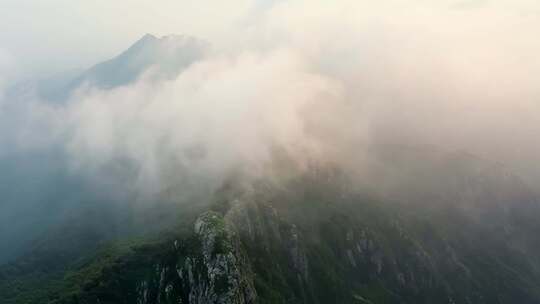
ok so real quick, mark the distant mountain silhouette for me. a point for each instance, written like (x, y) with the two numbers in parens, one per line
(168, 55)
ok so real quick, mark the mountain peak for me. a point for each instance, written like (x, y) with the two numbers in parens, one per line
(168, 54)
(147, 39)
(148, 36)
(167, 43)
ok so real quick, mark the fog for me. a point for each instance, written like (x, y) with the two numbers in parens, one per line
(324, 81)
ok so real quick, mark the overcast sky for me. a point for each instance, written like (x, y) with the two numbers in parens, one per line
(48, 36)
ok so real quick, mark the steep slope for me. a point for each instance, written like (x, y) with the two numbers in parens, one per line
(167, 55)
(319, 238)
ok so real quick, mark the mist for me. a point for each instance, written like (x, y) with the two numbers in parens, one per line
(324, 82)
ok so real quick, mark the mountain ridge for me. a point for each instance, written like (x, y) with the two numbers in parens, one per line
(318, 239)
(169, 55)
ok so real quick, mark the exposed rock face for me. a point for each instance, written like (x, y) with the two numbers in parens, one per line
(276, 249)
(211, 268)
(227, 278)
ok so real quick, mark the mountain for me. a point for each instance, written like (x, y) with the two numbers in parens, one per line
(167, 56)
(416, 225)
(317, 236)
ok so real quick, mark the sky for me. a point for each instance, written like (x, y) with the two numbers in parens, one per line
(45, 36)
(50, 36)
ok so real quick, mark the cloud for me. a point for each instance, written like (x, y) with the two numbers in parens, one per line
(323, 81)
(220, 113)
(7, 70)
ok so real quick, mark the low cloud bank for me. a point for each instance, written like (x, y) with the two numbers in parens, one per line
(322, 82)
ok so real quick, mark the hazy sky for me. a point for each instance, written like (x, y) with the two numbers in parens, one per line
(49, 35)
(54, 35)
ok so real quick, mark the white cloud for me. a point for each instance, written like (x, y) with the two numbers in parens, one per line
(317, 77)
(230, 109)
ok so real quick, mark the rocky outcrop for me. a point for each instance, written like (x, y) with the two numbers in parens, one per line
(210, 268)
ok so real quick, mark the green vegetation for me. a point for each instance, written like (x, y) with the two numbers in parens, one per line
(313, 242)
